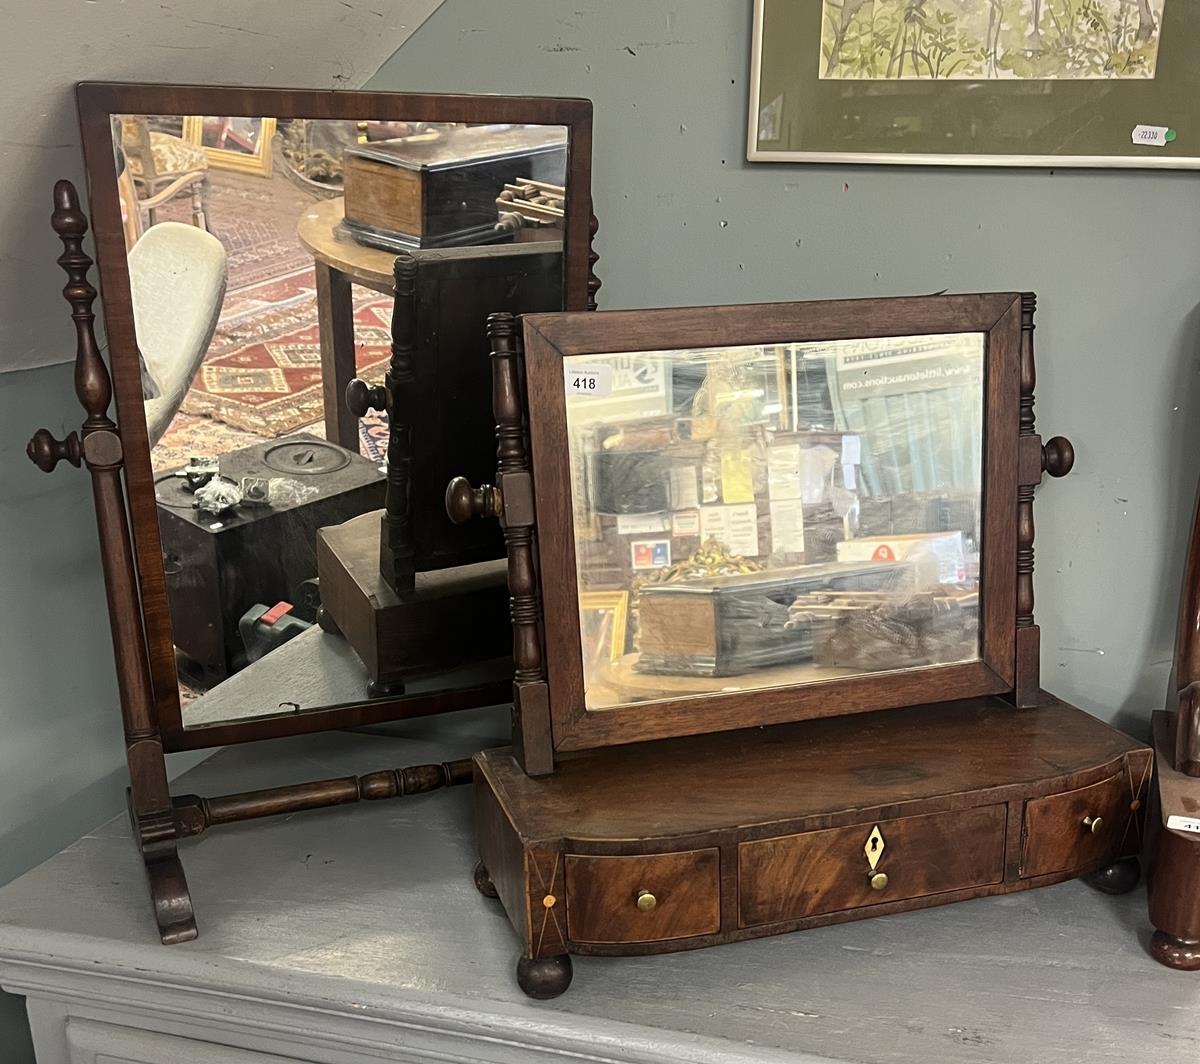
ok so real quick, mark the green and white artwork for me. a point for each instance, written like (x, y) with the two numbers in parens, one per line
(892, 40)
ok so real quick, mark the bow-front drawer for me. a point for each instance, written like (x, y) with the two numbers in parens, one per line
(1076, 828)
(649, 898)
(819, 872)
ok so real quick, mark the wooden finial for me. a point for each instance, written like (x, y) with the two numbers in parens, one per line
(92, 383)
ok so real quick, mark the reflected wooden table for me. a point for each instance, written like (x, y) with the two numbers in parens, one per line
(340, 262)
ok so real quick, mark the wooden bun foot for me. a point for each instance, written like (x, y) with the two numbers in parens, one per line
(483, 882)
(544, 978)
(1120, 877)
(1175, 953)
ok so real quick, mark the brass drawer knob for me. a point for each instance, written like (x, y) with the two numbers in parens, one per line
(879, 880)
(646, 901)
(1093, 823)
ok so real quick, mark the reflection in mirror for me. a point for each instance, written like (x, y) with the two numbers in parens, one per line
(261, 256)
(761, 516)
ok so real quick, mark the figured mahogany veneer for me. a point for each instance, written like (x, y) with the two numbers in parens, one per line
(826, 871)
(686, 896)
(762, 831)
(1073, 827)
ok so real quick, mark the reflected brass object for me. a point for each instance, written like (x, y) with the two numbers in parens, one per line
(712, 559)
(1093, 823)
(879, 880)
(549, 901)
(646, 901)
(874, 850)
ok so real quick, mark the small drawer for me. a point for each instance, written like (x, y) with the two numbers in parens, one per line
(828, 871)
(1074, 829)
(649, 898)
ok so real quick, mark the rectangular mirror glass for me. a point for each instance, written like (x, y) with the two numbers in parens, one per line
(763, 516)
(261, 253)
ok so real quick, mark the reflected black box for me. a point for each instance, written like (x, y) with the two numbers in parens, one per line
(217, 567)
(439, 190)
(728, 625)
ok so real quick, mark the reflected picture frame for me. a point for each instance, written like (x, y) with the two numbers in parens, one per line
(258, 161)
(607, 605)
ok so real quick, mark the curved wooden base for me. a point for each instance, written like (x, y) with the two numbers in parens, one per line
(546, 977)
(483, 882)
(1120, 877)
(172, 901)
(583, 870)
(1177, 953)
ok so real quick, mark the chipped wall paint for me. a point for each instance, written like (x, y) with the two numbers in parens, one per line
(1113, 256)
(49, 45)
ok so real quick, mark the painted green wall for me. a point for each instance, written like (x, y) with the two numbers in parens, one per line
(1113, 256)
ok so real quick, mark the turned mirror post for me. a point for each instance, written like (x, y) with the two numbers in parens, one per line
(99, 446)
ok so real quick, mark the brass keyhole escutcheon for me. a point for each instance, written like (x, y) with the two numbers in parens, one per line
(874, 847)
(646, 901)
(879, 880)
(1093, 823)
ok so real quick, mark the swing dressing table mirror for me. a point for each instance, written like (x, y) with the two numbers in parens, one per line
(295, 289)
(813, 516)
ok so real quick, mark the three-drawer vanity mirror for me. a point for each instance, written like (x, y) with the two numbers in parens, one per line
(295, 289)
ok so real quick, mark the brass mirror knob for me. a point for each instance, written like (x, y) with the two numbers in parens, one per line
(646, 901)
(1093, 823)
(464, 503)
(879, 880)
(362, 398)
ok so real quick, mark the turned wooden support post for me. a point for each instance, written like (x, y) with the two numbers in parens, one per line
(99, 445)
(1056, 458)
(194, 814)
(531, 695)
(1025, 527)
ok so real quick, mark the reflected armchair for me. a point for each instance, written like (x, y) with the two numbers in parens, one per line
(177, 279)
(162, 166)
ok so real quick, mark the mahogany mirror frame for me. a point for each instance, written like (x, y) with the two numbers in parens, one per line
(1013, 461)
(97, 101)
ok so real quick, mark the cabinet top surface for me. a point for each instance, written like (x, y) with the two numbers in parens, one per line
(759, 776)
(367, 914)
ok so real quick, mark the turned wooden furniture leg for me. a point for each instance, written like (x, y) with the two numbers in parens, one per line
(99, 445)
(1175, 902)
(1120, 877)
(483, 882)
(546, 977)
(335, 310)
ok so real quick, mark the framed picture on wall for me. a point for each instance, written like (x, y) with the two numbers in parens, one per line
(1092, 83)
